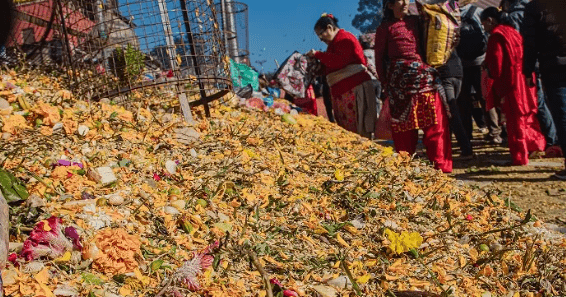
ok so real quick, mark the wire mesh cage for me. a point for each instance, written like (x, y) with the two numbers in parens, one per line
(117, 46)
(233, 18)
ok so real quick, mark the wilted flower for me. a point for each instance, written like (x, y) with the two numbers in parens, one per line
(48, 240)
(189, 271)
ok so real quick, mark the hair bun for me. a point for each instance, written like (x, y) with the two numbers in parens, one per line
(324, 15)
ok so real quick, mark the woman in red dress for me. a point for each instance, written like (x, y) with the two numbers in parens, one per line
(353, 93)
(508, 90)
(412, 87)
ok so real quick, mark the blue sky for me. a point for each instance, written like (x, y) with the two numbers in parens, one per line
(281, 27)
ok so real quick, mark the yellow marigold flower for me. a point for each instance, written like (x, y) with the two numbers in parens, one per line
(387, 151)
(402, 243)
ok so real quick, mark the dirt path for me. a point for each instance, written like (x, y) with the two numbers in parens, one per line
(529, 187)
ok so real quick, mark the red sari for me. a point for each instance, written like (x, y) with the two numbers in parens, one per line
(504, 60)
(343, 51)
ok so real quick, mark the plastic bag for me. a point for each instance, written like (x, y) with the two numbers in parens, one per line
(383, 124)
(245, 92)
(242, 75)
(275, 92)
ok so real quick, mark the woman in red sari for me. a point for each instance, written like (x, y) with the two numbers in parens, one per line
(411, 86)
(508, 90)
(353, 93)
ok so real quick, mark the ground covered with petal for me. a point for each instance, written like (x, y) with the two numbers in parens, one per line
(258, 205)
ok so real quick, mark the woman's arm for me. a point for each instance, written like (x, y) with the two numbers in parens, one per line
(494, 63)
(494, 57)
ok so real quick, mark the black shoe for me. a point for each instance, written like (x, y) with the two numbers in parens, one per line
(561, 175)
(467, 157)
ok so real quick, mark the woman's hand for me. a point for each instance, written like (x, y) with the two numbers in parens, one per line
(311, 53)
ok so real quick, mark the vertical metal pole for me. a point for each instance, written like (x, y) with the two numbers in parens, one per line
(99, 8)
(190, 39)
(66, 34)
(231, 25)
(168, 34)
(224, 27)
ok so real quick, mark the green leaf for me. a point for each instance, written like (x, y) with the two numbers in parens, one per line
(119, 278)
(5, 180)
(11, 195)
(512, 205)
(216, 262)
(224, 227)
(414, 253)
(155, 265)
(92, 279)
(113, 115)
(21, 191)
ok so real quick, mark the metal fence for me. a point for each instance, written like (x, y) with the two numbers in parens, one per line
(112, 47)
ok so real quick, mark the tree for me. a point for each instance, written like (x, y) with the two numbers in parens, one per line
(370, 14)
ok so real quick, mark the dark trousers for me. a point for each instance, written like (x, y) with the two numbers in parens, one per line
(472, 92)
(327, 100)
(556, 93)
(545, 120)
(452, 87)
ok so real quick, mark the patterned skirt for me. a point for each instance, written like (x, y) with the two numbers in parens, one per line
(413, 88)
(422, 113)
(345, 111)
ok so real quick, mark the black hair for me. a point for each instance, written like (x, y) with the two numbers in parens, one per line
(387, 12)
(326, 20)
(6, 20)
(492, 12)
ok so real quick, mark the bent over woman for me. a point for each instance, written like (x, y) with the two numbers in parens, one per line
(411, 86)
(352, 90)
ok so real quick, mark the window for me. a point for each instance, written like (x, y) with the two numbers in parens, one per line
(28, 36)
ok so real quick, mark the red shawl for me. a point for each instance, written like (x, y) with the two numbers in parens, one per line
(504, 61)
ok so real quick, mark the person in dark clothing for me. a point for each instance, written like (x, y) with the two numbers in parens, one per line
(451, 75)
(543, 40)
(471, 102)
(6, 20)
(326, 95)
(514, 12)
(323, 90)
